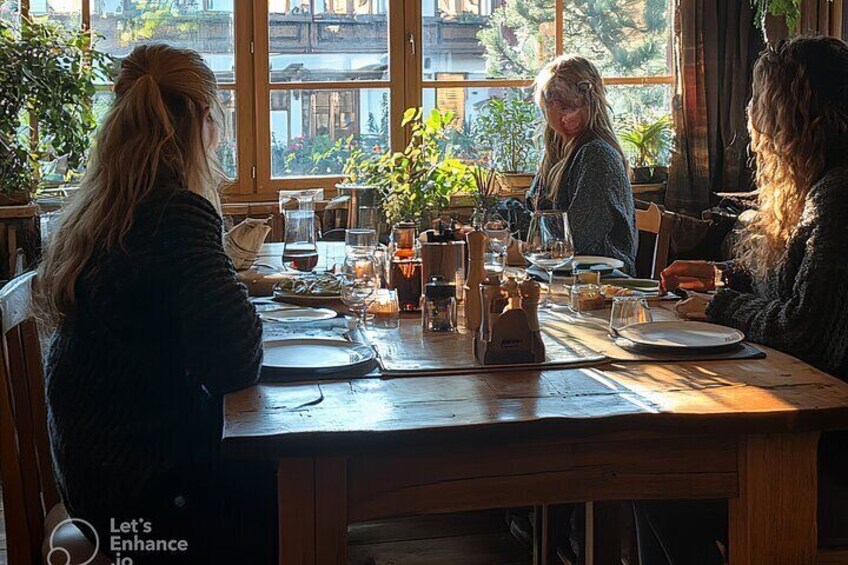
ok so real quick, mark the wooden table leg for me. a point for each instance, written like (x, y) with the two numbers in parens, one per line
(774, 518)
(331, 511)
(296, 498)
(312, 511)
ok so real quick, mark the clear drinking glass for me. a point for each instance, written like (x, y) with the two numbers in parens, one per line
(498, 235)
(360, 283)
(300, 251)
(549, 245)
(628, 310)
(360, 242)
(385, 309)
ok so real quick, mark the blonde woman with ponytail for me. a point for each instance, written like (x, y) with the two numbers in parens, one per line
(152, 328)
(583, 170)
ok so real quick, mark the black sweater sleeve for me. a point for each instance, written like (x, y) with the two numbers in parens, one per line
(220, 330)
(808, 322)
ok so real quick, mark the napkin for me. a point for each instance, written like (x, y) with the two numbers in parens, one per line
(242, 243)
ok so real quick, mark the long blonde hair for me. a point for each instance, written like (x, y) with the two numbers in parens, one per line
(152, 133)
(798, 120)
(571, 82)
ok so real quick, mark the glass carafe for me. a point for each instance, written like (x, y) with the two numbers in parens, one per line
(300, 253)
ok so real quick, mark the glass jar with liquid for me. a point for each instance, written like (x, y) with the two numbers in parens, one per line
(405, 266)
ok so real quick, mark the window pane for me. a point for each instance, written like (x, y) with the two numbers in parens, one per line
(311, 129)
(227, 148)
(341, 40)
(479, 39)
(206, 27)
(622, 37)
(497, 126)
(66, 12)
(10, 12)
(639, 105)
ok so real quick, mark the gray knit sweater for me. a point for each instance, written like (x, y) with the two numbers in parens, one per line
(596, 193)
(801, 307)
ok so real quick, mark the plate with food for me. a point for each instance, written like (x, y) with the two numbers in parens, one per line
(310, 289)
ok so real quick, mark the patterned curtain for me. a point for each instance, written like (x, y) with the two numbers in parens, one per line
(717, 44)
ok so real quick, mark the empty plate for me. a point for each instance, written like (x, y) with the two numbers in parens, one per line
(315, 356)
(682, 335)
(298, 315)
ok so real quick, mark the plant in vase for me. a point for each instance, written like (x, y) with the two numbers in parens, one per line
(416, 183)
(649, 142)
(508, 127)
(47, 84)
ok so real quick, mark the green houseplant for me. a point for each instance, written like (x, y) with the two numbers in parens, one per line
(649, 141)
(507, 127)
(416, 183)
(47, 81)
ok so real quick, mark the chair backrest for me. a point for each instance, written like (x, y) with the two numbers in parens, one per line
(26, 468)
(654, 226)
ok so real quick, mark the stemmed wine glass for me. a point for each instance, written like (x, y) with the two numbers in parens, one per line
(549, 245)
(360, 281)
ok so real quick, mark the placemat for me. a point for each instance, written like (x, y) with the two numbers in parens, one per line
(592, 331)
(409, 351)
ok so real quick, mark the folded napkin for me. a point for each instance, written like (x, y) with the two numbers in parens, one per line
(243, 242)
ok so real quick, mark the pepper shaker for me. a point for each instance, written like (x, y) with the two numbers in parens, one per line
(476, 240)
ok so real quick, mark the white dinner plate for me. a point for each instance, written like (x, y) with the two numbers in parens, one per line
(315, 355)
(592, 260)
(682, 335)
(298, 315)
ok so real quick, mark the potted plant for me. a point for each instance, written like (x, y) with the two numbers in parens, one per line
(649, 142)
(507, 128)
(416, 183)
(47, 82)
(778, 19)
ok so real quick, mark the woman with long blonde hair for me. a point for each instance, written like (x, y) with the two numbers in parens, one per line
(583, 169)
(787, 287)
(151, 326)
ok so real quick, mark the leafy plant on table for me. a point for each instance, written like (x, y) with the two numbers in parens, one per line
(508, 127)
(47, 83)
(649, 140)
(416, 183)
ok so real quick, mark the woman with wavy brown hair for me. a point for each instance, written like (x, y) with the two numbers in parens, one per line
(151, 329)
(787, 289)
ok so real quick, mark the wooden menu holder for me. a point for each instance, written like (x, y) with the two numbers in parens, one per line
(512, 342)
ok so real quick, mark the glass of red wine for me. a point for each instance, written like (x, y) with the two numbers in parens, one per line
(300, 252)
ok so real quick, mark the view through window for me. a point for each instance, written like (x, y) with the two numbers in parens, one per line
(325, 74)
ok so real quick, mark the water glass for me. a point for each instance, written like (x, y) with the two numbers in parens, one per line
(360, 242)
(360, 283)
(628, 310)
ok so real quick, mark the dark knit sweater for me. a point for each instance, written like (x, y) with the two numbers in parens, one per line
(801, 307)
(596, 193)
(135, 377)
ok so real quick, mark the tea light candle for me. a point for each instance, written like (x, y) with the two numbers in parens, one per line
(385, 303)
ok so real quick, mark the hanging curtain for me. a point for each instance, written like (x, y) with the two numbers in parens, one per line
(716, 45)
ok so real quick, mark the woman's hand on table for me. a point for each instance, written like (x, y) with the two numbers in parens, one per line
(699, 276)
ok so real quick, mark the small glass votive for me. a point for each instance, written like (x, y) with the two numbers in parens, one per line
(628, 310)
(385, 309)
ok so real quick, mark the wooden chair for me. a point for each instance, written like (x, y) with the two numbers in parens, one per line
(654, 227)
(30, 497)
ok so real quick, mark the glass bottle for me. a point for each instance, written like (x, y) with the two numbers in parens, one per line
(405, 266)
(439, 306)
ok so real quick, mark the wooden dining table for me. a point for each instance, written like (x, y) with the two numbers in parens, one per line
(373, 448)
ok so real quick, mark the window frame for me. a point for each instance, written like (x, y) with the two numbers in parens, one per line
(406, 84)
